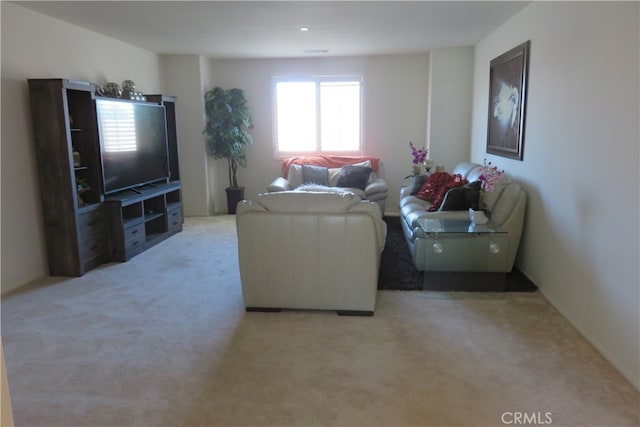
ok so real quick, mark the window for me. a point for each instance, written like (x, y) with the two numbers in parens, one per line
(318, 115)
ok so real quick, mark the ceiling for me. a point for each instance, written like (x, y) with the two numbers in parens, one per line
(271, 29)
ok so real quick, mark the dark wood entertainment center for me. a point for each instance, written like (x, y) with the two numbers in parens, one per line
(84, 227)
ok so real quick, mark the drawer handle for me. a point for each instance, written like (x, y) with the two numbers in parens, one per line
(134, 232)
(134, 243)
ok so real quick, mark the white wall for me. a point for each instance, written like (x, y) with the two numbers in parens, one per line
(580, 167)
(182, 76)
(449, 115)
(395, 94)
(36, 46)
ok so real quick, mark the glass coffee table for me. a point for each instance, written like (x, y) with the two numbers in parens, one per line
(463, 256)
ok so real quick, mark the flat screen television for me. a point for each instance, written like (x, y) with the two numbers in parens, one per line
(133, 144)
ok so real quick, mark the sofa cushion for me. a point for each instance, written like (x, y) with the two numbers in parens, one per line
(461, 198)
(315, 175)
(488, 199)
(353, 176)
(300, 201)
(505, 205)
(329, 161)
(295, 176)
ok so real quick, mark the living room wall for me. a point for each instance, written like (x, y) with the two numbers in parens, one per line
(395, 102)
(37, 46)
(580, 167)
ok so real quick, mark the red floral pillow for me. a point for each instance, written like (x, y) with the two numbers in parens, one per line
(437, 186)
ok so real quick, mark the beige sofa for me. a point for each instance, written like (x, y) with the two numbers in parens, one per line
(375, 190)
(505, 206)
(310, 250)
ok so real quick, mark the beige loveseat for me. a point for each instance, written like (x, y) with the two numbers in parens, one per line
(505, 205)
(310, 250)
(374, 190)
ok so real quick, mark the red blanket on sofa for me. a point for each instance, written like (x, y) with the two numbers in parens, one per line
(327, 161)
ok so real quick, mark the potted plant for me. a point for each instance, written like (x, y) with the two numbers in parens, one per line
(226, 134)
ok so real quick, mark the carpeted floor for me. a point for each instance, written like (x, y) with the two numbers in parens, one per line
(397, 271)
(163, 340)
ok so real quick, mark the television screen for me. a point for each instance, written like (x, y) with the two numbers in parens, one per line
(133, 143)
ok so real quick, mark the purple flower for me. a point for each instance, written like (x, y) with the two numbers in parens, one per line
(419, 155)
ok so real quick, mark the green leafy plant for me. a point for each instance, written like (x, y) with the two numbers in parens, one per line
(228, 120)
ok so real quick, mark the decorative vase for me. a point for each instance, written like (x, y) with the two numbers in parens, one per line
(113, 90)
(234, 196)
(416, 170)
(428, 165)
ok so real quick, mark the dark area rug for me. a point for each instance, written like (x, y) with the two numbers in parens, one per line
(397, 271)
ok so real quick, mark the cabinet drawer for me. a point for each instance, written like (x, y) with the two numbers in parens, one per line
(92, 235)
(134, 246)
(174, 217)
(92, 248)
(132, 233)
(91, 225)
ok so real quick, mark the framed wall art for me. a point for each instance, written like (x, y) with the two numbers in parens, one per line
(507, 102)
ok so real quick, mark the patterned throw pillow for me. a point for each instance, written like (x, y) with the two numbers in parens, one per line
(437, 186)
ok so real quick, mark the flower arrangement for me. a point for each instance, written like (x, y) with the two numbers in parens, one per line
(419, 157)
(490, 176)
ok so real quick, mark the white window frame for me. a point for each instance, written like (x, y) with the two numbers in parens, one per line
(317, 79)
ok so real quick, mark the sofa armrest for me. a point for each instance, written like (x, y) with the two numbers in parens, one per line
(376, 190)
(279, 184)
(405, 191)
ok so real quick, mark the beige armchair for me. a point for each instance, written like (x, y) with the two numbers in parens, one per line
(310, 250)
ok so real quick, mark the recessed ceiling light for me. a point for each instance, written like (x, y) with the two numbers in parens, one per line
(304, 28)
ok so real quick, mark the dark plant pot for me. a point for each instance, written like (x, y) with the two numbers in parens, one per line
(234, 196)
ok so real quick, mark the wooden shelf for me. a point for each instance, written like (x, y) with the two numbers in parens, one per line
(86, 228)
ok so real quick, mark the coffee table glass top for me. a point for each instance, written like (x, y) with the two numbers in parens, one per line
(458, 226)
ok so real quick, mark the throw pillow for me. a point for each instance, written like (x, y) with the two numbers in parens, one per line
(437, 186)
(334, 173)
(352, 176)
(461, 198)
(418, 182)
(315, 175)
(295, 176)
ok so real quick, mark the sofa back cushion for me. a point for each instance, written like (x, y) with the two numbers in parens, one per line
(488, 199)
(469, 171)
(295, 174)
(506, 203)
(313, 202)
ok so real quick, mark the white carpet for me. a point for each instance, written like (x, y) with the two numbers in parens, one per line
(163, 340)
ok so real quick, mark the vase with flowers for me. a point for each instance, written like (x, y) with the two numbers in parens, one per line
(489, 177)
(419, 158)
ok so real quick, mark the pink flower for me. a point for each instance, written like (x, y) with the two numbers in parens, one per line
(490, 176)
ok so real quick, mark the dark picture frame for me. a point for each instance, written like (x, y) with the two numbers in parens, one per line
(508, 77)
